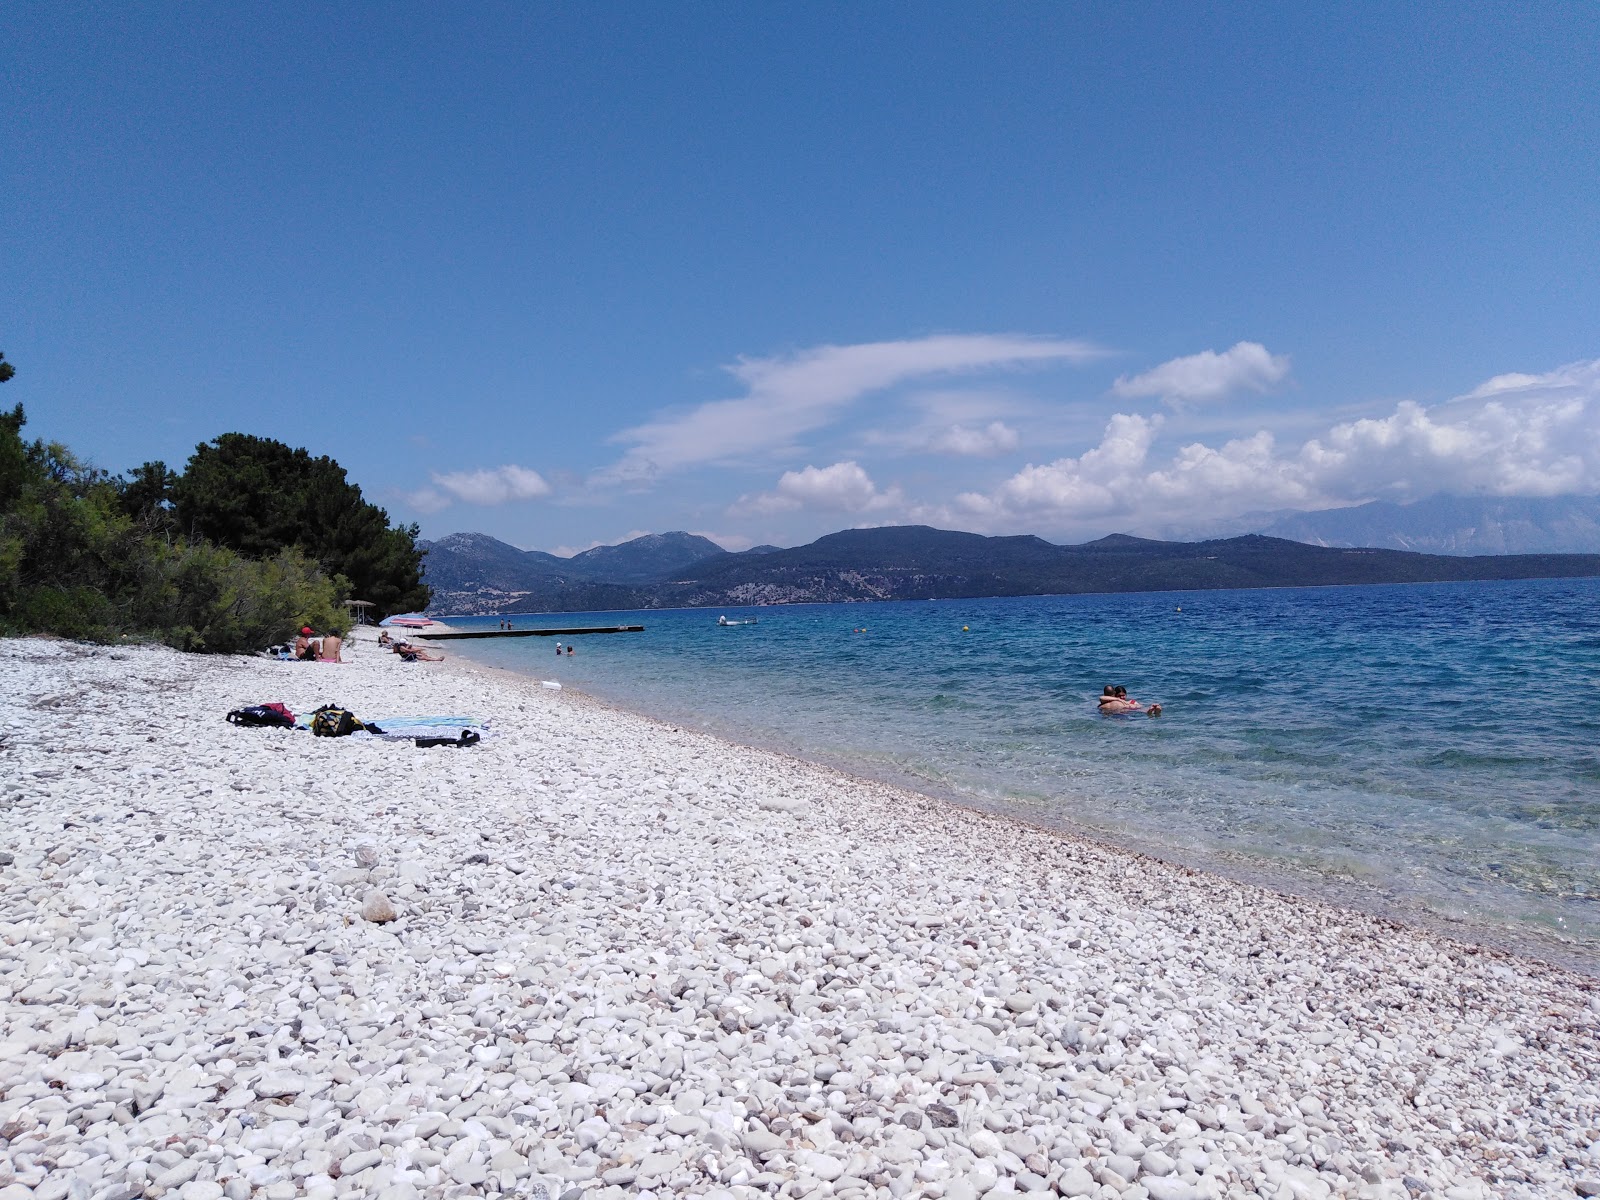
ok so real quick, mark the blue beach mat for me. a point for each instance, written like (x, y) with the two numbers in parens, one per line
(406, 728)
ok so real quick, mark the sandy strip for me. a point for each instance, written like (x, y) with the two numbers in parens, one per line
(633, 960)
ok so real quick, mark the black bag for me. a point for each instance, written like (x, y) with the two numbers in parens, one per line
(263, 714)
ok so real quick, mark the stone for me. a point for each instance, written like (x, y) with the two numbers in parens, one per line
(358, 1161)
(1075, 1181)
(1124, 1165)
(1155, 1163)
(759, 1142)
(378, 908)
(983, 1175)
(657, 1166)
(1165, 1187)
(176, 1176)
(469, 1174)
(508, 1160)
(824, 1166)
(278, 1084)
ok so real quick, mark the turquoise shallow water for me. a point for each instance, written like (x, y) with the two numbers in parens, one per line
(1427, 749)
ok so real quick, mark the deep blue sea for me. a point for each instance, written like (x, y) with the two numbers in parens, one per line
(1424, 750)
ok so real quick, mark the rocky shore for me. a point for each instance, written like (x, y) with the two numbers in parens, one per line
(595, 955)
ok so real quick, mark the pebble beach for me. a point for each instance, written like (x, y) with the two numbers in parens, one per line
(595, 955)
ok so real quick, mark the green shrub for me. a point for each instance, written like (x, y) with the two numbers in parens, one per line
(81, 613)
(86, 557)
(224, 603)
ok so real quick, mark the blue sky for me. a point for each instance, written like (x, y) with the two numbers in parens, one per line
(567, 273)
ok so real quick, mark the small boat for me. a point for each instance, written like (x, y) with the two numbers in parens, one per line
(725, 622)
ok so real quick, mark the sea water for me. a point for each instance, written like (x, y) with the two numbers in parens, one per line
(1427, 750)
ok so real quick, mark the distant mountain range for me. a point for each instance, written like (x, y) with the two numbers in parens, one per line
(472, 573)
(1453, 525)
(475, 573)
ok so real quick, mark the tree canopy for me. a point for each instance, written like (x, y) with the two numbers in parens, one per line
(75, 563)
(252, 542)
(258, 496)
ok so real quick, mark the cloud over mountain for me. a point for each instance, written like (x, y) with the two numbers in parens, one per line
(843, 487)
(487, 486)
(1516, 435)
(1246, 366)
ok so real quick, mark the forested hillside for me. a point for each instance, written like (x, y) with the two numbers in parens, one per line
(916, 562)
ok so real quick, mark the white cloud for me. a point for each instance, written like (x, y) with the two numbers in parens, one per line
(791, 395)
(843, 487)
(1208, 375)
(1517, 435)
(995, 438)
(427, 500)
(961, 422)
(486, 486)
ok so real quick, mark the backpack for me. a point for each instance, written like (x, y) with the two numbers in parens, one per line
(275, 715)
(332, 721)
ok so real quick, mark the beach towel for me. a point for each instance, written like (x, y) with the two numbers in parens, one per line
(413, 727)
(430, 731)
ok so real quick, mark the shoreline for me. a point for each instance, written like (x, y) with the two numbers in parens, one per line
(1522, 940)
(632, 958)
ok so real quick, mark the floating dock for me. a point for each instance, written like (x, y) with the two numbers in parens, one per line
(445, 635)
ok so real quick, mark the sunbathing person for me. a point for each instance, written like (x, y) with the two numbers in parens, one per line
(411, 653)
(329, 650)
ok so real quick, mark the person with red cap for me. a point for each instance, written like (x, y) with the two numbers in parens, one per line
(308, 647)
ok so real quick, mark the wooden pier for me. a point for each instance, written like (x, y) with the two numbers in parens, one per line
(458, 634)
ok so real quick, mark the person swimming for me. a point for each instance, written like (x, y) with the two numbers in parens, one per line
(1115, 701)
